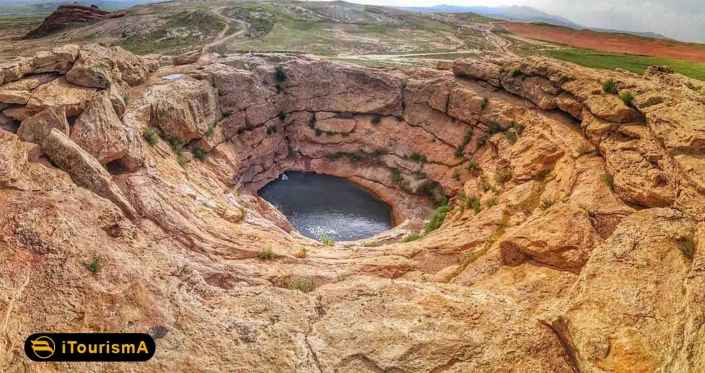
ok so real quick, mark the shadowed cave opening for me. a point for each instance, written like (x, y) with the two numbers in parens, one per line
(328, 207)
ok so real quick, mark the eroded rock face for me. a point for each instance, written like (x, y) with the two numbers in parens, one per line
(184, 109)
(572, 241)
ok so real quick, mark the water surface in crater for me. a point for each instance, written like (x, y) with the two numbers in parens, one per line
(328, 206)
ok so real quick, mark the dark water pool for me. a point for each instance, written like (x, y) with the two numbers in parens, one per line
(329, 206)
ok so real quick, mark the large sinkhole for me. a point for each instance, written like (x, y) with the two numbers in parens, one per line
(328, 207)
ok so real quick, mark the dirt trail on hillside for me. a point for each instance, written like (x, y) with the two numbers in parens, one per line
(223, 36)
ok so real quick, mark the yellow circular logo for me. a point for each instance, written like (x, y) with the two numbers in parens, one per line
(43, 347)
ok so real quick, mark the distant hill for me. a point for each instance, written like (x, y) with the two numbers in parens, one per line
(45, 7)
(511, 13)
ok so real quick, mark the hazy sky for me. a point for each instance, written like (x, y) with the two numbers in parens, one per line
(681, 19)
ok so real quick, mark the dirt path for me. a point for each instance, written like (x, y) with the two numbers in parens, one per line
(222, 38)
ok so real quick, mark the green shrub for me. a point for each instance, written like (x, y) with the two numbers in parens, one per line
(493, 128)
(266, 254)
(439, 215)
(687, 247)
(546, 204)
(484, 102)
(281, 116)
(456, 174)
(93, 265)
(492, 202)
(511, 136)
(151, 136)
(324, 239)
(211, 129)
(199, 154)
(412, 237)
(610, 86)
(472, 165)
(503, 175)
(627, 98)
(377, 119)
(609, 181)
(419, 158)
(302, 284)
(280, 74)
(396, 176)
(516, 73)
(474, 203)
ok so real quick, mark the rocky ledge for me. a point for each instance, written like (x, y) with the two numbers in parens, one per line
(573, 199)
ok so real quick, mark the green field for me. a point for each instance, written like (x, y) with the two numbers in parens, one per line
(633, 63)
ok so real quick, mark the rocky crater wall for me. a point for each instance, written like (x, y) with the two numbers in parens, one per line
(572, 238)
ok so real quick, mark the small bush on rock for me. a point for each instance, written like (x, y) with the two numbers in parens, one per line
(266, 254)
(610, 86)
(151, 136)
(437, 218)
(627, 98)
(199, 154)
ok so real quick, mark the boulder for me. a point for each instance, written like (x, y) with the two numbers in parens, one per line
(611, 108)
(637, 305)
(58, 60)
(477, 69)
(84, 169)
(134, 70)
(427, 328)
(99, 131)
(29, 83)
(100, 67)
(15, 70)
(184, 109)
(37, 127)
(93, 69)
(566, 246)
(60, 93)
(14, 97)
(465, 105)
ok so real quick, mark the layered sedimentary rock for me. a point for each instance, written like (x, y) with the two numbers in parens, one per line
(70, 15)
(573, 239)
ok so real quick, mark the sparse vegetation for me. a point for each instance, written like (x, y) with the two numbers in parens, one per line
(493, 128)
(502, 175)
(474, 203)
(687, 247)
(280, 74)
(483, 103)
(546, 204)
(302, 284)
(199, 154)
(211, 130)
(516, 73)
(472, 165)
(93, 266)
(151, 136)
(326, 240)
(396, 176)
(412, 237)
(418, 158)
(627, 98)
(437, 218)
(609, 86)
(376, 119)
(266, 254)
(609, 181)
(281, 116)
